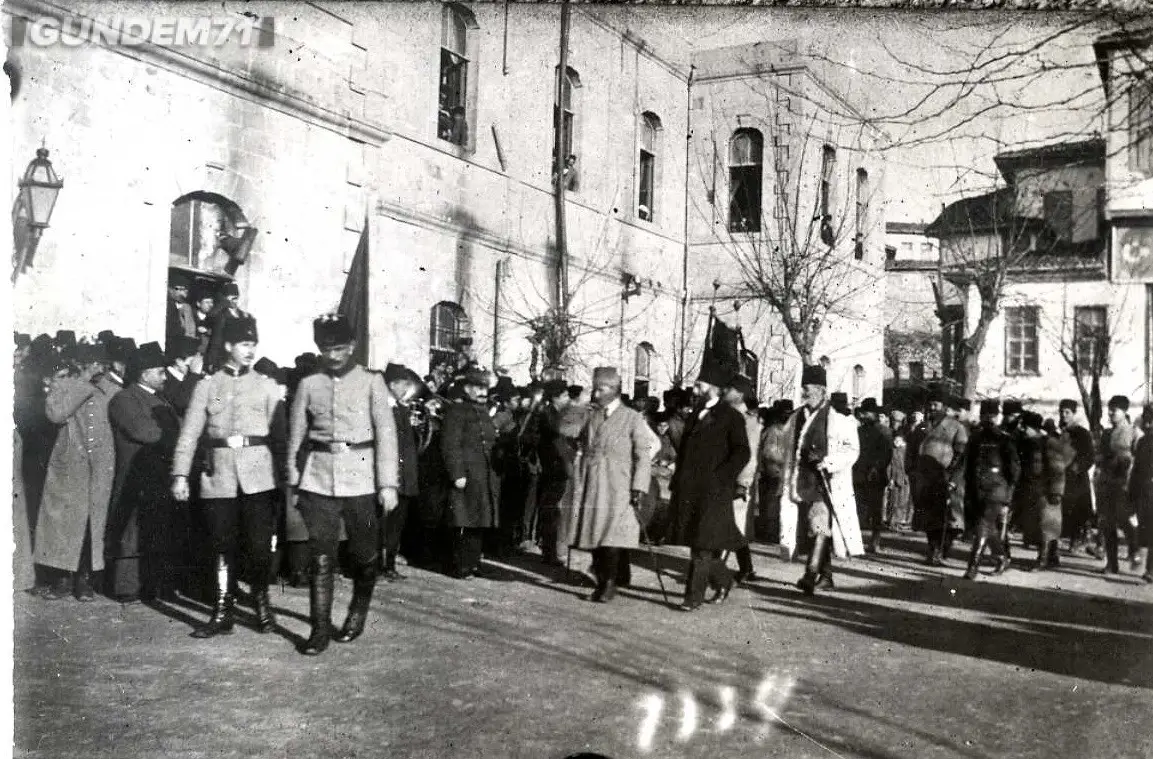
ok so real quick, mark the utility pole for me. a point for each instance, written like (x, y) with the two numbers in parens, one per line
(562, 294)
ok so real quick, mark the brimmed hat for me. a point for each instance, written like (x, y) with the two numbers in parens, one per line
(148, 356)
(606, 374)
(814, 374)
(1119, 402)
(869, 405)
(241, 329)
(743, 385)
(554, 388)
(181, 346)
(503, 390)
(331, 329)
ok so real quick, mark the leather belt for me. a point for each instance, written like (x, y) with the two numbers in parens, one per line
(236, 441)
(339, 446)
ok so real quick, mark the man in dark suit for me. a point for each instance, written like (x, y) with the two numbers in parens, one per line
(468, 440)
(714, 450)
(180, 320)
(185, 368)
(143, 533)
(404, 385)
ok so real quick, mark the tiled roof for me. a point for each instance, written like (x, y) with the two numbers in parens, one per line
(978, 214)
(905, 228)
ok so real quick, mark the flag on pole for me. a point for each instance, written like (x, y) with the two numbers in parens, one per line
(354, 299)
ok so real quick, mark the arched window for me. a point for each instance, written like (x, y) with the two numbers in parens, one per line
(455, 109)
(647, 166)
(745, 156)
(828, 166)
(448, 325)
(209, 233)
(858, 382)
(642, 369)
(566, 114)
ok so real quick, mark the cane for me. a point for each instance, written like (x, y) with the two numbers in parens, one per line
(652, 554)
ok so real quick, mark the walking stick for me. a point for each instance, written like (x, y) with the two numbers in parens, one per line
(652, 554)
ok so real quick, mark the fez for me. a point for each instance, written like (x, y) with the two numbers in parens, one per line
(122, 349)
(41, 344)
(607, 374)
(181, 346)
(22, 340)
(715, 373)
(1067, 403)
(990, 407)
(266, 367)
(65, 339)
(1012, 407)
(331, 330)
(106, 336)
(148, 356)
(1119, 402)
(954, 402)
(229, 288)
(92, 353)
(575, 391)
(785, 406)
(814, 374)
(240, 330)
(504, 389)
(869, 405)
(839, 401)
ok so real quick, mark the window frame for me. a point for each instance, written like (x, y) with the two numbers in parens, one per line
(828, 167)
(1017, 362)
(647, 154)
(460, 327)
(1140, 126)
(1090, 342)
(862, 213)
(459, 49)
(569, 109)
(752, 168)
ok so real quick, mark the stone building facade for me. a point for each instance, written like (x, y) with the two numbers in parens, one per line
(421, 133)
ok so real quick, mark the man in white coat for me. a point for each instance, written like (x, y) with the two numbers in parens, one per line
(818, 476)
(616, 466)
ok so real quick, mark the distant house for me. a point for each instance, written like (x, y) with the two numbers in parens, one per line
(912, 325)
(1048, 226)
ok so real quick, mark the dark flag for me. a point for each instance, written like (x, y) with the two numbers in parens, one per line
(354, 299)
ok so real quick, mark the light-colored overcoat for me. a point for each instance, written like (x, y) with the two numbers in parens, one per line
(78, 485)
(843, 448)
(617, 453)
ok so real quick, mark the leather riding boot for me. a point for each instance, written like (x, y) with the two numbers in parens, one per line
(362, 588)
(265, 621)
(825, 576)
(808, 583)
(221, 621)
(320, 606)
(975, 558)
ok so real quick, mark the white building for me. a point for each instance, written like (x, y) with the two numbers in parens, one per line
(421, 132)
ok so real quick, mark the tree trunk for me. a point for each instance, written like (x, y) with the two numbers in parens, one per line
(971, 348)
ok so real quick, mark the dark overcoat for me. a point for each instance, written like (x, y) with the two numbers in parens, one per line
(468, 442)
(406, 450)
(712, 454)
(142, 520)
(178, 391)
(78, 485)
(1077, 505)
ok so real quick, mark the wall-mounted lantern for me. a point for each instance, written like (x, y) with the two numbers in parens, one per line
(39, 188)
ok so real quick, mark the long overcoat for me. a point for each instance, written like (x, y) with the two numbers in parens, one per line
(713, 452)
(80, 473)
(468, 441)
(843, 447)
(617, 459)
(141, 519)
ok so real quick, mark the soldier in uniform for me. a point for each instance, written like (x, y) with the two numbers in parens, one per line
(992, 470)
(237, 417)
(940, 462)
(342, 455)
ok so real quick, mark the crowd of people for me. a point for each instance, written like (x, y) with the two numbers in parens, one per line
(180, 469)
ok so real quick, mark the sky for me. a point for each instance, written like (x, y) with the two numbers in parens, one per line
(951, 89)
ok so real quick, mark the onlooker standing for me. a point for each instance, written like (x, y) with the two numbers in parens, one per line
(468, 442)
(404, 385)
(993, 468)
(871, 471)
(1141, 488)
(739, 394)
(940, 462)
(770, 470)
(1113, 505)
(1077, 505)
(1051, 455)
(77, 490)
(897, 500)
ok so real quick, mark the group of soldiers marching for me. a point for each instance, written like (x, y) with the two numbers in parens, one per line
(145, 452)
